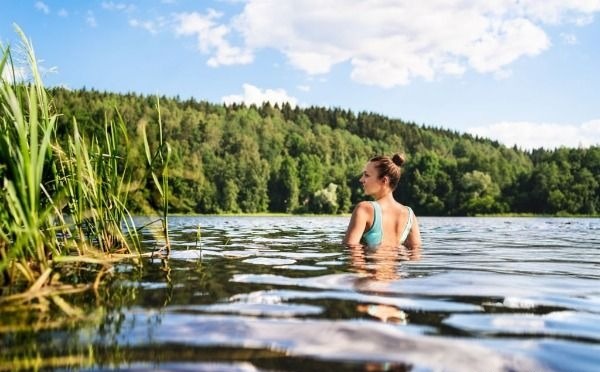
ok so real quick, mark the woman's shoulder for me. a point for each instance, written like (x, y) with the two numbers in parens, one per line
(363, 211)
(364, 208)
(364, 205)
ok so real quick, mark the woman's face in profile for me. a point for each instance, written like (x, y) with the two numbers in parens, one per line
(370, 180)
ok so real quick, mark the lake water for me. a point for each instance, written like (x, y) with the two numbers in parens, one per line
(281, 293)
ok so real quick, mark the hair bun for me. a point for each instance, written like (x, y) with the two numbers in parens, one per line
(398, 159)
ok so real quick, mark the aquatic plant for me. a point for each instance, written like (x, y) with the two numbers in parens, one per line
(158, 162)
(61, 201)
(27, 241)
(96, 189)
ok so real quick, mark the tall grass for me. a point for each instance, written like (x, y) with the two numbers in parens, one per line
(61, 202)
(26, 128)
(96, 189)
(158, 164)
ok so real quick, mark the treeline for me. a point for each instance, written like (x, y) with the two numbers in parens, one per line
(230, 159)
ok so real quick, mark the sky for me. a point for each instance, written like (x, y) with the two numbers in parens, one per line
(523, 72)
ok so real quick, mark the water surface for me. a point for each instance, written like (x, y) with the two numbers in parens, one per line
(281, 293)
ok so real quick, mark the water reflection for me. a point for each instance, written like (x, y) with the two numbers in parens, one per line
(380, 264)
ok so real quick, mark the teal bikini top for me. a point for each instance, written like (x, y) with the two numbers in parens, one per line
(374, 236)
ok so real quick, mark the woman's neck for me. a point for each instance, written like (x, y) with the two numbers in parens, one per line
(384, 196)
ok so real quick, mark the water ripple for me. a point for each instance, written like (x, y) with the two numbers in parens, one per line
(501, 294)
(332, 340)
(560, 323)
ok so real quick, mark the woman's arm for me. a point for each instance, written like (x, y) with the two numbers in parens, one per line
(358, 223)
(413, 241)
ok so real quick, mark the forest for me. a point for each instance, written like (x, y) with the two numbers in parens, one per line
(271, 158)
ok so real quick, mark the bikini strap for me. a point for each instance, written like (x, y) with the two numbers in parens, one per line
(408, 226)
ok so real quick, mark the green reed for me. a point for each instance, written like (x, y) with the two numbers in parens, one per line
(61, 202)
(26, 128)
(158, 164)
(96, 189)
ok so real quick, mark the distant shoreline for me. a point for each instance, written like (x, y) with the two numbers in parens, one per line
(274, 214)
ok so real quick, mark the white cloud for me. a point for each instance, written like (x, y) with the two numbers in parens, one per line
(558, 11)
(592, 129)
(18, 73)
(152, 26)
(255, 95)
(584, 20)
(149, 26)
(503, 43)
(123, 7)
(529, 135)
(212, 38)
(502, 74)
(90, 19)
(568, 38)
(388, 43)
(303, 88)
(41, 6)
(47, 70)
(63, 13)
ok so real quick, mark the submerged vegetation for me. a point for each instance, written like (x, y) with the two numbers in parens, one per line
(64, 199)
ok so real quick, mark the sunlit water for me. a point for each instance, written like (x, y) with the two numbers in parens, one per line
(281, 293)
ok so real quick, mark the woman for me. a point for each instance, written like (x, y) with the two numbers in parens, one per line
(383, 222)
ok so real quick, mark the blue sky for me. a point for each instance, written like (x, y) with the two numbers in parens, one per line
(523, 72)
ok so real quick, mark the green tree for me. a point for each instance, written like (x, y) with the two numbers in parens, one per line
(426, 185)
(311, 179)
(325, 200)
(477, 194)
(229, 158)
(230, 195)
(284, 186)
